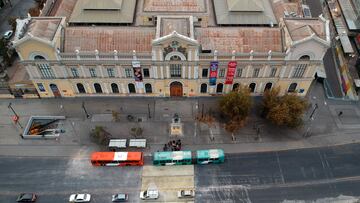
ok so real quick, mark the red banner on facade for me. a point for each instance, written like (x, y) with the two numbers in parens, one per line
(230, 72)
(213, 72)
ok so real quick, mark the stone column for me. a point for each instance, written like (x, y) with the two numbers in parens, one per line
(65, 73)
(162, 72)
(167, 71)
(28, 70)
(183, 71)
(89, 88)
(101, 71)
(123, 89)
(83, 72)
(106, 88)
(120, 75)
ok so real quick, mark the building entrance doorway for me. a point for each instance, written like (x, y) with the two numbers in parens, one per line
(55, 90)
(176, 89)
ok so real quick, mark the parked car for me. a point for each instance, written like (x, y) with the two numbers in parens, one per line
(120, 197)
(8, 34)
(27, 197)
(186, 193)
(149, 194)
(80, 198)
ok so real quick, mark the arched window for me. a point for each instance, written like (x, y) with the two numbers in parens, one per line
(175, 68)
(252, 87)
(80, 88)
(235, 86)
(292, 87)
(114, 88)
(304, 57)
(39, 57)
(148, 88)
(131, 88)
(219, 88)
(268, 86)
(97, 87)
(203, 88)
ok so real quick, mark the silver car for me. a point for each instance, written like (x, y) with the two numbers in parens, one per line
(8, 34)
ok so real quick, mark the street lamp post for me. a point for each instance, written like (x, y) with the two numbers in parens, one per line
(16, 120)
(312, 113)
(308, 130)
(149, 111)
(83, 106)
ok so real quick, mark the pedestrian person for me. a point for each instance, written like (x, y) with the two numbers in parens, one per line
(340, 113)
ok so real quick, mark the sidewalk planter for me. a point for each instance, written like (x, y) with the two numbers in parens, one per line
(42, 127)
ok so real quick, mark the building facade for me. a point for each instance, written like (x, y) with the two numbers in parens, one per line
(179, 56)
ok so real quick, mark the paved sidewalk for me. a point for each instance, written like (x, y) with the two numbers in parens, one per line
(326, 129)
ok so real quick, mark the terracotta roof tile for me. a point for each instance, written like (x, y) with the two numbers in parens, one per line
(302, 28)
(108, 39)
(64, 8)
(174, 5)
(239, 39)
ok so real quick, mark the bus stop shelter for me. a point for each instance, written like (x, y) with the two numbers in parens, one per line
(139, 143)
(117, 144)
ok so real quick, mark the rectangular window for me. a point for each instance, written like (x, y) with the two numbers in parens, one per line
(74, 72)
(299, 71)
(273, 72)
(111, 72)
(146, 73)
(256, 72)
(175, 70)
(92, 72)
(41, 87)
(239, 72)
(222, 72)
(205, 72)
(128, 72)
(46, 71)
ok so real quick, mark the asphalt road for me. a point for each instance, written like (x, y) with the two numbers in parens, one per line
(19, 8)
(307, 174)
(54, 179)
(331, 74)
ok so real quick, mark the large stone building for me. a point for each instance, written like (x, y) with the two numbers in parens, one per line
(172, 48)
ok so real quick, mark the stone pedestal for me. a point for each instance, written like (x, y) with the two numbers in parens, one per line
(176, 127)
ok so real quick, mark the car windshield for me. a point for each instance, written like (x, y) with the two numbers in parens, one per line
(26, 196)
(186, 192)
(120, 196)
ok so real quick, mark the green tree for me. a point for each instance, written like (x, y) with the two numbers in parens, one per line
(270, 99)
(115, 116)
(235, 107)
(4, 52)
(100, 136)
(12, 22)
(136, 131)
(284, 110)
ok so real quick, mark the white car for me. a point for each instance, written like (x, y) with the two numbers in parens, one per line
(80, 198)
(186, 193)
(8, 34)
(149, 194)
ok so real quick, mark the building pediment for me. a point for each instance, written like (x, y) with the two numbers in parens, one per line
(169, 39)
(314, 39)
(29, 38)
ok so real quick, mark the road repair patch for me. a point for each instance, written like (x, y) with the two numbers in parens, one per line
(168, 181)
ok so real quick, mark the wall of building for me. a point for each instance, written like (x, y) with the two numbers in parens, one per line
(29, 48)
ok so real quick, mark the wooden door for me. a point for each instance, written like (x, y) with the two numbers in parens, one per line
(176, 89)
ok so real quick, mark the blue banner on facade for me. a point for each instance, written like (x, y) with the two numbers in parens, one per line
(213, 72)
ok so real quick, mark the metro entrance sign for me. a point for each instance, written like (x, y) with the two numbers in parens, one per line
(230, 72)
